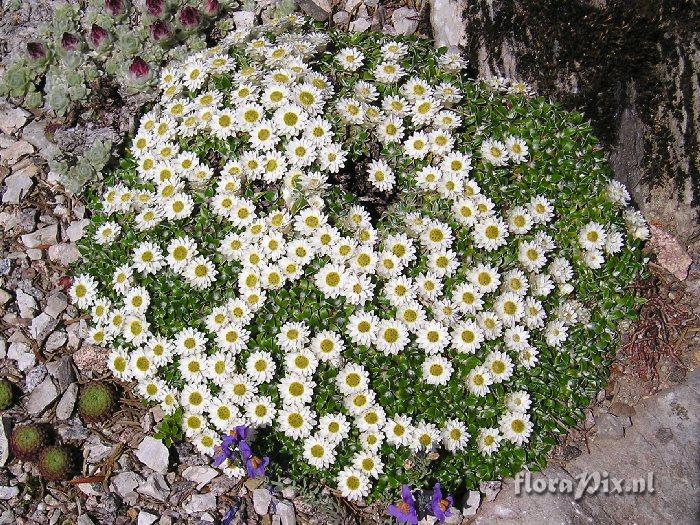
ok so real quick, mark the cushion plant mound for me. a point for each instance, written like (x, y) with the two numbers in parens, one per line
(56, 463)
(96, 401)
(27, 441)
(7, 395)
(392, 273)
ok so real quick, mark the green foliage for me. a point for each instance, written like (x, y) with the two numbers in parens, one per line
(565, 165)
(56, 463)
(169, 430)
(96, 401)
(7, 395)
(27, 441)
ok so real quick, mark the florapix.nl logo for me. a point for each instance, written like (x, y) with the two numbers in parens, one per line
(597, 482)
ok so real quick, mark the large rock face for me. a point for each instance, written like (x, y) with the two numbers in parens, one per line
(631, 67)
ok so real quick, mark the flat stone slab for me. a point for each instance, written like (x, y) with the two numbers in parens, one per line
(663, 440)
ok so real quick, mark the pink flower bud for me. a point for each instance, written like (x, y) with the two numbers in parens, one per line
(36, 50)
(211, 7)
(98, 35)
(189, 17)
(160, 31)
(155, 7)
(139, 68)
(69, 42)
(115, 7)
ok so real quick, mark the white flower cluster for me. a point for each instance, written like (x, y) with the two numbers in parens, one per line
(284, 113)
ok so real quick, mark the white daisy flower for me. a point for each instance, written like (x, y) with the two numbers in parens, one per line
(83, 291)
(399, 430)
(260, 411)
(436, 370)
(296, 422)
(454, 435)
(516, 427)
(488, 441)
(293, 336)
(479, 380)
(318, 452)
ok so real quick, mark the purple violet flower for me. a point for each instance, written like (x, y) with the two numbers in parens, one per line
(229, 443)
(253, 464)
(404, 512)
(228, 517)
(440, 506)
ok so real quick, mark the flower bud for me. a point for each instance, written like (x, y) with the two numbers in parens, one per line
(69, 42)
(139, 69)
(159, 31)
(189, 17)
(36, 50)
(155, 7)
(97, 36)
(211, 7)
(115, 7)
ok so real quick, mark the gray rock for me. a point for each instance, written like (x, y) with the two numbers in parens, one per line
(65, 253)
(21, 353)
(62, 371)
(341, 18)
(609, 427)
(17, 186)
(490, 489)
(76, 229)
(154, 454)
(56, 304)
(471, 503)
(55, 340)
(447, 21)
(84, 519)
(41, 326)
(4, 444)
(34, 254)
(12, 119)
(318, 9)
(405, 20)
(156, 487)
(455, 517)
(41, 397)
(360, 24)
(200, 503)
(261, 501)
(34, 134)
(5, 266)
(285, 512)
(26, 304)
(125, 484)
(15, 150)
(200, 475)
(146, 518)
(8, 492)
(43, 237)
(34, 377)
(64, 408)
(96, 451)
